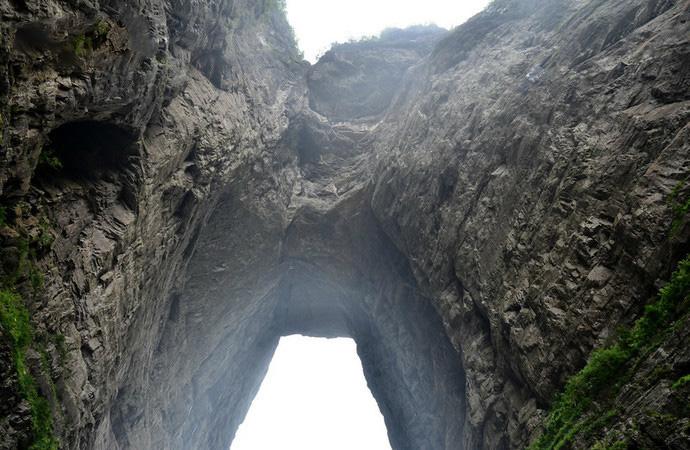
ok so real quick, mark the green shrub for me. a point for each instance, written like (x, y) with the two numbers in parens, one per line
(36, 279)
(101, 29)
(680, 382)
(49, 159)
(82, 45)
(45, 238)
(14, 319)
(680, 207)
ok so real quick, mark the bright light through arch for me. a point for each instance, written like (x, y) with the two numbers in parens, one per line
(314, 397)
(319, 23)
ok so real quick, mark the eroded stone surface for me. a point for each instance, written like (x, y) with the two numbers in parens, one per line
(537, 214)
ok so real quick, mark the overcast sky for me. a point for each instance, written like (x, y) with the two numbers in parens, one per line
(314, 397)
(318, 23)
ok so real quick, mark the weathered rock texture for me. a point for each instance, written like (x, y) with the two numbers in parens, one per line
(478, 209)
(358, 80)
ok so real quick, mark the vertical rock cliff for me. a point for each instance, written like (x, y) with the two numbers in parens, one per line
(479, 209)
(124, 126)
(526, 171)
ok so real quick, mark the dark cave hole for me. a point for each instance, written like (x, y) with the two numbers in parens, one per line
(89, 152)
(89, 149)
(212, 65)
(309, 152)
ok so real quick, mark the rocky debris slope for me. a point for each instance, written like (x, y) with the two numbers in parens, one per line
(179, 191)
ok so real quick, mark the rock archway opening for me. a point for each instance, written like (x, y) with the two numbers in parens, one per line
(332, 274)
(314, 396)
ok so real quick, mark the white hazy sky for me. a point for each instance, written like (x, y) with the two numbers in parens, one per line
(314, 397)
(318, 23)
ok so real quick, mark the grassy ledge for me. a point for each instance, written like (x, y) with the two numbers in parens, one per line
(609, 368)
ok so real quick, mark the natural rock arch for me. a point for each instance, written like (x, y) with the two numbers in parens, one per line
(331, 273)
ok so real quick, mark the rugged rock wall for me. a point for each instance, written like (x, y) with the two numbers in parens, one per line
(179, 191)
(529, 185)
(137, 104)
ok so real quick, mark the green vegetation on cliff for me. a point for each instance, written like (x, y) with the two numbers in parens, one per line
(15, 323)
(680, 206)
(84, 44)
(609, 368)
(14, 319)
(48, 158)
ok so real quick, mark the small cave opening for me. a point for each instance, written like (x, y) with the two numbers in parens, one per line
(212, 64)
(89, 149)
(91, 153)
(314, 396)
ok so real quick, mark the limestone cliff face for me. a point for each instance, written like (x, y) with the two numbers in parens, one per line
(150, 125)
(525, 171)
(478, 209)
